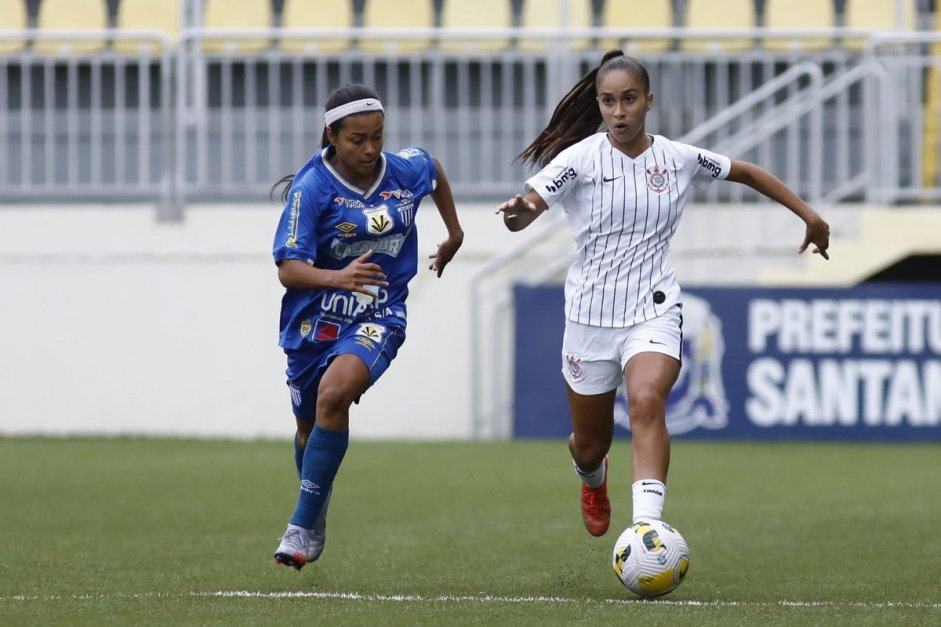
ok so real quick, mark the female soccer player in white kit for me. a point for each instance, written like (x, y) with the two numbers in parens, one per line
(623, 192)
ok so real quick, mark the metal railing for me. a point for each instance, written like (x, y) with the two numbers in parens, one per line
(906, 151)
(77, 125)
(473, 110)
(204, 121)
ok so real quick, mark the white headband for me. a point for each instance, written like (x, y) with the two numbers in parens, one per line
(357, 106)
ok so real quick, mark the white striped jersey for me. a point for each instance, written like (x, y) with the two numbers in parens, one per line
(622, 213)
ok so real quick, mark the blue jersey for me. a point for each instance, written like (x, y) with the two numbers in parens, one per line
(327, 222)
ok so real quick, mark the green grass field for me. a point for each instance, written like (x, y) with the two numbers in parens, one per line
(173, 532)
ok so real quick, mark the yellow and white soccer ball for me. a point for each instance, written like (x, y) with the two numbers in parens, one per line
(651, 558)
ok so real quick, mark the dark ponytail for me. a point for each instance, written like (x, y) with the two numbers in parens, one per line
(577, 115)
(340, 96)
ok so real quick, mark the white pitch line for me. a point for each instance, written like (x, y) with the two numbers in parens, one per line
(487, 598)
(480, 598)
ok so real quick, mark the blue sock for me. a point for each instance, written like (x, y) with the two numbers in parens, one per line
(322, 458)
(298, 456)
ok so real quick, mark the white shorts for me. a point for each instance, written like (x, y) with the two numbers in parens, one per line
(594, 358)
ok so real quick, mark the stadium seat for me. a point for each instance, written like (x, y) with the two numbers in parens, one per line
(797, 14)
(71, 15)
(651, 14)
(403, 15)
(479, 14)
(876, 14)
(12, 18)
(548, 14)
(716, 15)
(237, 15)
(147, 15)
(329, 14)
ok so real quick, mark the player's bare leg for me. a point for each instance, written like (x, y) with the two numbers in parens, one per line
(592, 432)
(649, 378)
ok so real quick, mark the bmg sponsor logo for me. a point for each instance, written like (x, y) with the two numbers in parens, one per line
(556, 184)
(709, 165)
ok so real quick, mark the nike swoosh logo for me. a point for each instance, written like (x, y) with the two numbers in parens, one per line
(656, 342)
(648, 483)
(370, 103)
(608, 180)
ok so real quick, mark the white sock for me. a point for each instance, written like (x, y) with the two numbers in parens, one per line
(592, 479)
(649, 495)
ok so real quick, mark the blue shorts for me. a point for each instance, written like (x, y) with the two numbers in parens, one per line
(375, 343)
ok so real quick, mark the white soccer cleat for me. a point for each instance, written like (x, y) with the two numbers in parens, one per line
(301, 546)
(295, 544)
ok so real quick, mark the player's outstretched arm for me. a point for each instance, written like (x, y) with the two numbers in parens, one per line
(762, 181)
(298, 275)
(520, 211)
(444, 200)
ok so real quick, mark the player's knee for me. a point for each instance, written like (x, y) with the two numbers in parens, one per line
(332, 400)
(646, 407)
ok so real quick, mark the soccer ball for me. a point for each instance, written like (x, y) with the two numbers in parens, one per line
(650, 558)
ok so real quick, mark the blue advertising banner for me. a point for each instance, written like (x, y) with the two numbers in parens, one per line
(861, 363)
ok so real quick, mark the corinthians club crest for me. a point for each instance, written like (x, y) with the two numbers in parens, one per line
(658, 179)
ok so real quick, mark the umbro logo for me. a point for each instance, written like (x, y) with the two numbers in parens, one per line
(310, 487)
(609, 179)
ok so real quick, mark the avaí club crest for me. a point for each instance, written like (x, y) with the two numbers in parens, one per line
(378, 220)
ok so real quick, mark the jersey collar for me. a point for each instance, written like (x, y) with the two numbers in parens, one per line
(623, 154)
(365, 193)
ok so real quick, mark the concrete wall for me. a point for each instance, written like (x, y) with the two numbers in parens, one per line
(114, 323)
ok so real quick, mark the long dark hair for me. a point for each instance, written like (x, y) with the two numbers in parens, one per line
(577, 115)
(340, 96)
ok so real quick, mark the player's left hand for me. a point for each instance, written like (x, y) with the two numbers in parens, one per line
(818, 234)
(446, 251)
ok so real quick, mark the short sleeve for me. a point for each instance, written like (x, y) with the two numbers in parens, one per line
(705, 165)
(296, 236)
(556, 180)
(421, 169)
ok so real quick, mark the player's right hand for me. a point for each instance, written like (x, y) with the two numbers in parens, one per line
(519, 211)
(514, 207)
(359, 274)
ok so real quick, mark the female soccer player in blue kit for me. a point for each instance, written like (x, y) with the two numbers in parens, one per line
(623, 191)
(346, 248)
